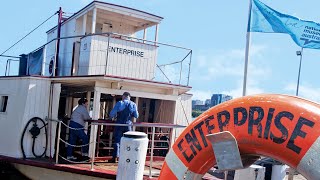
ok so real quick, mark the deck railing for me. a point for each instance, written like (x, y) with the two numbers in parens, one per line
(95, 124)
(112, 54)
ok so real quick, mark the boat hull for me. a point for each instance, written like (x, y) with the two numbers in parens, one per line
(39, 173)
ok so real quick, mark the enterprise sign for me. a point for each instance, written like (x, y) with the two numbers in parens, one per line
(126, 51)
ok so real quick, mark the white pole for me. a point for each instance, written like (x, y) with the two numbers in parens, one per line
(144, 35)
(84, 24)
(246, 62)
(94, 18)
(156, 34)
(152, 147)
(135, 119)
(297, 91)
(58, 142)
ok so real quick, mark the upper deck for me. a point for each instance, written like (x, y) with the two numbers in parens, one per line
(109, 40)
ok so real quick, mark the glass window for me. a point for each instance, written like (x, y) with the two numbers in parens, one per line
(3, 103)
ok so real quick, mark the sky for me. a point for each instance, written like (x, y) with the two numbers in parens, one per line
(214, 30)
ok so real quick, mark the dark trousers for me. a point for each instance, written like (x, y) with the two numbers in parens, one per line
(118, 133)
(74, 134)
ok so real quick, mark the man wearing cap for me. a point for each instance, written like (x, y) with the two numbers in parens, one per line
(124, 110)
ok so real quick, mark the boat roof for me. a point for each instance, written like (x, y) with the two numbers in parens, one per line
(90, 81)
(146, 19)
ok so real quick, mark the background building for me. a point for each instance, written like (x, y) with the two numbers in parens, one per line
(197, 102)
(198, 106)
(208, 102)
(219, 98)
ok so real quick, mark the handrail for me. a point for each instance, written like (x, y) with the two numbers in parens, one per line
(157, 72)
(110, 33)
(95, 123)
(137, 124)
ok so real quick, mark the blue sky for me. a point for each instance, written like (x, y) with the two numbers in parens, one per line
(215, 30)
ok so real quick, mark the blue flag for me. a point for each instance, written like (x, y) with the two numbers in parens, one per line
(264, 19)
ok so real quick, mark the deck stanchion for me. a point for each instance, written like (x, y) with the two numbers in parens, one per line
(58, 142)
(94, 123)
(152, 146)
(94, 145)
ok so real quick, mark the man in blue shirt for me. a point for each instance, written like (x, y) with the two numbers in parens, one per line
(124, 110)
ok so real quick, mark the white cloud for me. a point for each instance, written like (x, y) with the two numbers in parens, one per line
(305, 91)
(238, 91)
(252, 88)
(201, 95)
(231, 63)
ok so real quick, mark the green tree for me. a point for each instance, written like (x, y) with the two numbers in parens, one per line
(196, 113)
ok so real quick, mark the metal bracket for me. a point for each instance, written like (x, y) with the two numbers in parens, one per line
(226, 151)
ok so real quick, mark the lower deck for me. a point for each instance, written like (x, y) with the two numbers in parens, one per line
(102, 168)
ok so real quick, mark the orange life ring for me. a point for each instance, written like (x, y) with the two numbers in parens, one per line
(285, 128)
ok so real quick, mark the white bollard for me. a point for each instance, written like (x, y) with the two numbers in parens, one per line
(278, 172)
(132, 157)
(254, 172)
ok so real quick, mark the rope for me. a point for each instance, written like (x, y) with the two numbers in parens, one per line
(74, 128)
(74, 145)
(28, 34)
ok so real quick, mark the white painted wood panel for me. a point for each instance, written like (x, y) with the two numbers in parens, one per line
(123, 59)
(36, 105)
(11, 119)
(50, 50)
(28, 98)
(66, 49)
(183, 112)
(53, 114)
(164, 111)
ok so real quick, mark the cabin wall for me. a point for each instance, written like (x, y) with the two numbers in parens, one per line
(183, 112)
(53, 114)
(79, 22)
(10, 129)
(164, 111)
(28, 98)
(36, 105)
(65, 51)
(50, 50)
(94, 58)
(66, 48)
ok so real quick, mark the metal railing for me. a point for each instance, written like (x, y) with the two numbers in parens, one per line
(172, 63)
(9, 65)
(95, 123)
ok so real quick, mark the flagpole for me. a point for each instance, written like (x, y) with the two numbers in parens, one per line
(300, 54)
(246, 62)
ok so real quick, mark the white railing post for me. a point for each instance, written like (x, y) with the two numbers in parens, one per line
(152, 146)
(93, 145)
(58, 142)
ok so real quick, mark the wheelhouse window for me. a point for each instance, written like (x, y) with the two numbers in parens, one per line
(3, 103)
